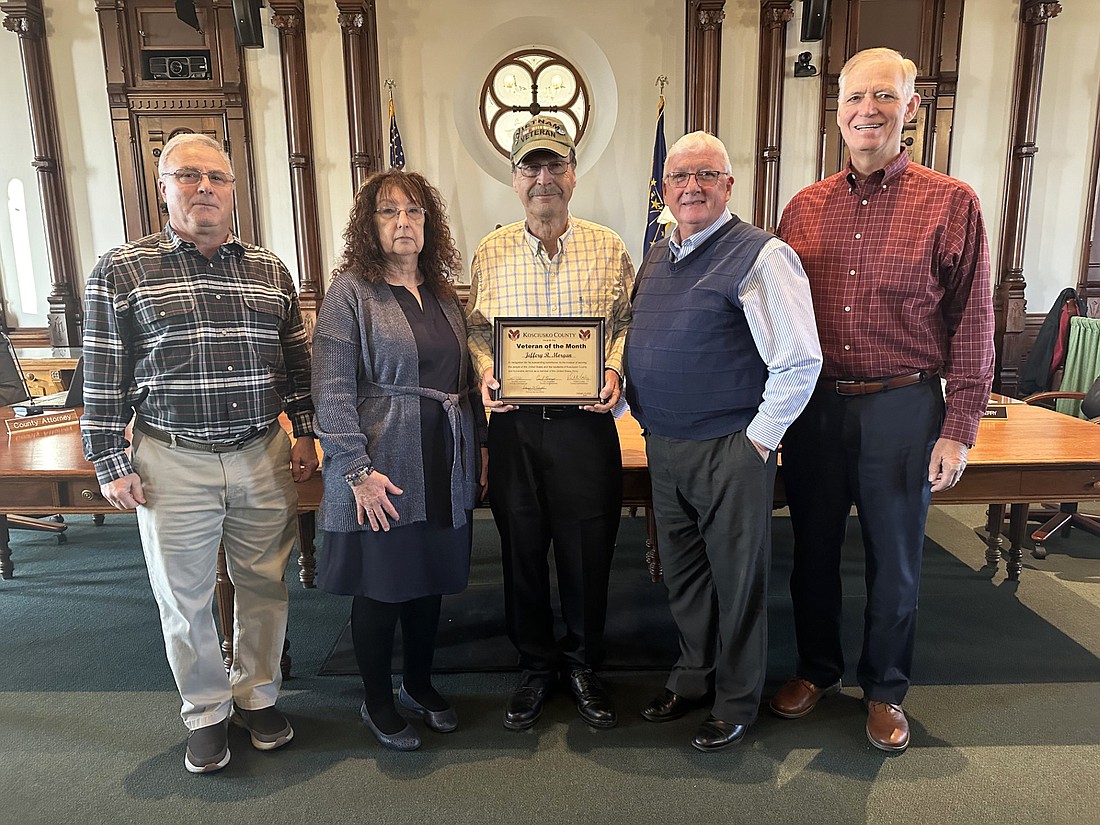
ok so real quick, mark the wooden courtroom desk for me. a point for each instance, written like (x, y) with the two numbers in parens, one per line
(1033, 456)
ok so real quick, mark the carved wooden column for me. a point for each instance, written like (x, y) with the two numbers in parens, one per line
(362, 82)
(1009, 302)
(703, 64)
(774, 17)
(288, 16)
(25, 18)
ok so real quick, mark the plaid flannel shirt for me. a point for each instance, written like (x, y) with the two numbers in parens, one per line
(512, 275)
(205, 348)
(899, 271)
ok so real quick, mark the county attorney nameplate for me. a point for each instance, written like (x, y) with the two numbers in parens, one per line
(549, 360)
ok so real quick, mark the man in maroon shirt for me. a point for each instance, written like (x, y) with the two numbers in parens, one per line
(898, 264)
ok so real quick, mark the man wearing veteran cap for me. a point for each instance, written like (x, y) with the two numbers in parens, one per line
(555, 472)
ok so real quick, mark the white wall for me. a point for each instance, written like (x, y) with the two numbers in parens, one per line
(438, 51)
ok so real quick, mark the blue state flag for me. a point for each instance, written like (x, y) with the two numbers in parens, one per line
(654, 230)
(397, 152)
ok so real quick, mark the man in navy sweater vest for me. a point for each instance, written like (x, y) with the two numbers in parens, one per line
(722, 355)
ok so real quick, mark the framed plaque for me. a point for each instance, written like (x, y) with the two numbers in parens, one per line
(549, 360)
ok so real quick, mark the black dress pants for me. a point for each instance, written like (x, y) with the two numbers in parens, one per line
(871, 451)
(555, 479)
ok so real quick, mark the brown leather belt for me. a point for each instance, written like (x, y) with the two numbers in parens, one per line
(875, 385)
(202, 446)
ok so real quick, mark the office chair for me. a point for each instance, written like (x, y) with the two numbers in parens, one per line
(1065, 517)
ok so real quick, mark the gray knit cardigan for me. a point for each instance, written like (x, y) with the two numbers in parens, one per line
(366, 389)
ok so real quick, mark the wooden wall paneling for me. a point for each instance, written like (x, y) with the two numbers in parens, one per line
(774, 17)
(1088, 282)
(147, 112)
(703, 64)
(1008, 296)
(288, 16)
(937, 57)
(114, 35)
(25, 18)
(362, 82)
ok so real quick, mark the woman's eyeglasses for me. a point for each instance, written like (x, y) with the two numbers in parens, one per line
(416, 214)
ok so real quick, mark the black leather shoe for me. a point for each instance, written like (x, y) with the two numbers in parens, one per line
(525, 706)
(669, 706)
(714, 734)
(593, 702)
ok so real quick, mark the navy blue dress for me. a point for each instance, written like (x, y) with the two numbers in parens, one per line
(427, 558)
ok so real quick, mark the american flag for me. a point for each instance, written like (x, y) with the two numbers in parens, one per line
(397, 153)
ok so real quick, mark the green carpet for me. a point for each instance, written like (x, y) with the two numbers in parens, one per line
(1005, 714)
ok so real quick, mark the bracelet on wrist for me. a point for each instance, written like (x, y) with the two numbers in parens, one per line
(355, 477)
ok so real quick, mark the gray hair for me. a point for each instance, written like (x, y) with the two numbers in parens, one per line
(907, 66)
(700, 140)
(187, 139)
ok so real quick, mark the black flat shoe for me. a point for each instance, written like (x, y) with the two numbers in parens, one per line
(593, 701)
(441, 721)
(669, 706)
(525, 706)
(715, 735)
(405, 739)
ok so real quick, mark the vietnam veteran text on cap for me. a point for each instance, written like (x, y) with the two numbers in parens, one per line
(541, 132)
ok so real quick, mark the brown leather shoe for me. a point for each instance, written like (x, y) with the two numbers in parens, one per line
(798, 697)
(887, 727)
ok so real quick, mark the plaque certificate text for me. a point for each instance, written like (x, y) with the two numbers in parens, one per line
(549, 360)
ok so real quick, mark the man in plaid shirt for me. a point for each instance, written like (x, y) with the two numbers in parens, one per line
(898, 264)
(199, 338)
(555, 472)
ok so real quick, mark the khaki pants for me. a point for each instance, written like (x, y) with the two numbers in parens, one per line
(195, 501)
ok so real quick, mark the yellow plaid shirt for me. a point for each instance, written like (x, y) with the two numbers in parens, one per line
(512, 275)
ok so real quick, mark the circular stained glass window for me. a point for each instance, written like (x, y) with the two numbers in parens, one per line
(532, 82)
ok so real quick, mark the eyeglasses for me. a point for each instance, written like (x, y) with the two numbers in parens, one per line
(416, 214)
(705, 178)
(532, 170)
(192, 177)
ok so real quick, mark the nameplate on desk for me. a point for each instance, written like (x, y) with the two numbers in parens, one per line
(44, 421)
(995, 411)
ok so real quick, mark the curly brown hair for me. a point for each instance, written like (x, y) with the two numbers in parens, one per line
(439, 261)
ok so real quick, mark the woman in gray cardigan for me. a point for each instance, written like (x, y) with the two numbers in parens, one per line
(401, 424)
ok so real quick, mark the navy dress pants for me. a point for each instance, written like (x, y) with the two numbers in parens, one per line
(871, 451)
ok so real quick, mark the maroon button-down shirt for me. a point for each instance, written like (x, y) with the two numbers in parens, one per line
(899, 272)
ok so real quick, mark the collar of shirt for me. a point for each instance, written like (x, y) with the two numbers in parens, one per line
(231, 245)
(536, 243)
(691, 242)
(888, 173)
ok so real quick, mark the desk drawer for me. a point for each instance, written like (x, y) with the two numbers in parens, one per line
(1064, 485)
(85, 493)
(28, 494)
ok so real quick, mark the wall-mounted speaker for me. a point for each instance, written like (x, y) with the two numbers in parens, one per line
(813, 19)
(246, 21)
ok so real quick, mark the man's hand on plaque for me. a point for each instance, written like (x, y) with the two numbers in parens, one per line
(488, 385)
(609, 395)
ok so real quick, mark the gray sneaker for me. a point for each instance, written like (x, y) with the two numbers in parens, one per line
(269, 728)
(207, 749)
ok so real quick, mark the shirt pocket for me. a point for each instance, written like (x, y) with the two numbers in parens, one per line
(164, 309)
(269, 307)
(267, 311)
